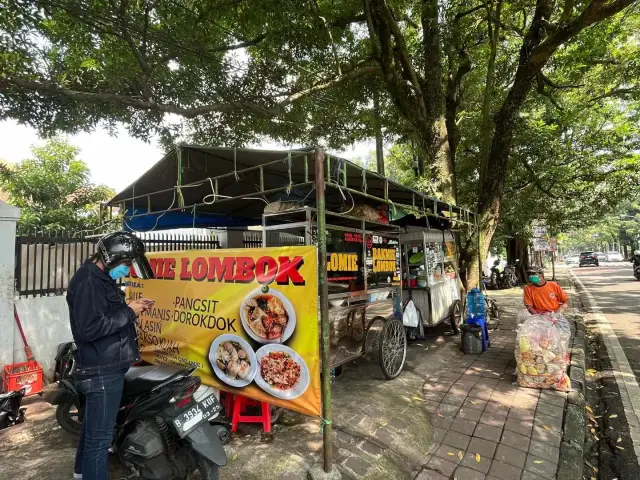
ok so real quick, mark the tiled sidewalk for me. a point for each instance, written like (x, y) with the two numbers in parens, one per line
(485, 427)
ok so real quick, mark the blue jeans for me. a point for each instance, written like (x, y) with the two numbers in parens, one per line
(102, 400)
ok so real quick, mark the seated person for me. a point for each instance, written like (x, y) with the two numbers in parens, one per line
(541, 296)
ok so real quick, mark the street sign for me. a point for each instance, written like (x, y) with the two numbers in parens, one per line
(553, 244)
(540, 231)
(541, 245)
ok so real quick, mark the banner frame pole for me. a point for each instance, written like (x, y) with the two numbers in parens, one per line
(327, 431)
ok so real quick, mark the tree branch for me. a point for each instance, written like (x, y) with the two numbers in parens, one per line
(461, 15)
(334, 50)
(567, 11)
(549, 82)
(344, 22)
(432, 57)
(51, 90)
(536, 181)
(381, 45)
(617, 92)
(143, 80)
(405, 57)
(596, 11)
(238, 46)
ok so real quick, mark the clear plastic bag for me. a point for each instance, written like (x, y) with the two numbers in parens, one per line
(542, 352)
(523, 315)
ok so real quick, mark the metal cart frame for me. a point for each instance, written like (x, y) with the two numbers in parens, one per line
(367, 320)
(198, 181)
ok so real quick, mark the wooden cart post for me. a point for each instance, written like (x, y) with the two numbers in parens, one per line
(324, 312)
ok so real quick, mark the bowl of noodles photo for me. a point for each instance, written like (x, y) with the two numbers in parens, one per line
(233, 360)
(281, 372)
(268, 317)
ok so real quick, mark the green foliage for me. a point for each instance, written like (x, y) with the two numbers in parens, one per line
(53, 189)
(556, 138)
(621, 226)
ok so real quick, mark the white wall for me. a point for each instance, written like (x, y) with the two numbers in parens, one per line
(45, 321)
(8, 217)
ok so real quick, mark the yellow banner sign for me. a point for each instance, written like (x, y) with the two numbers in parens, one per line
(248, 319)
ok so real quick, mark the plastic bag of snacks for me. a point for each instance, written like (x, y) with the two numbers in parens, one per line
(542, 352)
(523, 315)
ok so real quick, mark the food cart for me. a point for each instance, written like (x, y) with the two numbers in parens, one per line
(430, 279)
(327, 202)
(363, 277)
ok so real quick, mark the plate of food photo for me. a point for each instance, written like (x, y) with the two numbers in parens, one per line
(268, 317)
(281, 372)
(233, 360)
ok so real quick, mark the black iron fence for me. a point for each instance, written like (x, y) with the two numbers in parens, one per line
(275, 239)
(46, 261)
(252, 240)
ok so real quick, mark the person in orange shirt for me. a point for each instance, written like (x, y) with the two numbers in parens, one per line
(541, 296)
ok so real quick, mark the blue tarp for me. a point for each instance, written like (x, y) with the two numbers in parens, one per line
(171, 220)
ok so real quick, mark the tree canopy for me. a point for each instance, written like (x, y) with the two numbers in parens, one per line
(503, 105)
(53, 189)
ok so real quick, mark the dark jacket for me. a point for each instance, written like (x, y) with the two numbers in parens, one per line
(101, 322)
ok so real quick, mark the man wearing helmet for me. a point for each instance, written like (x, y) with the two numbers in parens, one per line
(102, 324)
(636, 258)
(541, 296)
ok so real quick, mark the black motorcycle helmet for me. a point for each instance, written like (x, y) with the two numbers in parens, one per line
(118, 247)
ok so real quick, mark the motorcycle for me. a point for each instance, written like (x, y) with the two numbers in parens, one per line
(492, 309)
(167, 423)
(510, 276)
(498, 280)
(10, 411)
(636, 272)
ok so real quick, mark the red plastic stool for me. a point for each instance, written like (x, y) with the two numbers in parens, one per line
(240, 404)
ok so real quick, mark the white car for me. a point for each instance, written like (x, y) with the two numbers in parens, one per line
(601, 256)
(614, 257)
(572, 259)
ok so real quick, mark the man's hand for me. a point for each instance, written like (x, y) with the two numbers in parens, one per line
(563, 307)
(141, 305)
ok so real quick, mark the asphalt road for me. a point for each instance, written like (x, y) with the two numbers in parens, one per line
(617, 293)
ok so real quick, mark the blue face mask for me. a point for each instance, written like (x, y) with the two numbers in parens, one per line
(534, 279)
(119, 272)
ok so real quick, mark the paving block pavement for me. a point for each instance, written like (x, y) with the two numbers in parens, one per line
(448, 415)
(487, 426)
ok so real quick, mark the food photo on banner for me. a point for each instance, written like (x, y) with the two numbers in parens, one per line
(247, 319)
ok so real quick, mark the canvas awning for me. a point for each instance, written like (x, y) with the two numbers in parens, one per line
(215, 186)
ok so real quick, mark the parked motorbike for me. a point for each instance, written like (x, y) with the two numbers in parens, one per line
(10, 411)
(510, 276)
(498, 280)
(493, 311)
(166, 426)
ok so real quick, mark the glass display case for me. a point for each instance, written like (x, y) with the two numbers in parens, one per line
(430, 275)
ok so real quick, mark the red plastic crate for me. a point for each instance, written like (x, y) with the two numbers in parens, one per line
(27, 375)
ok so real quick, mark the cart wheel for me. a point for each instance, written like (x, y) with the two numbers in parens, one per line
(393, 348)
(456, 316)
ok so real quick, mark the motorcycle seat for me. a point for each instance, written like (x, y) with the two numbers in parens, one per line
(12, 394)
(139, 380)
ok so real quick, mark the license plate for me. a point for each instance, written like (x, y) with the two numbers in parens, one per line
(196, 414)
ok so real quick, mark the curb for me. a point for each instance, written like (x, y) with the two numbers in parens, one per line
(575, 419)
